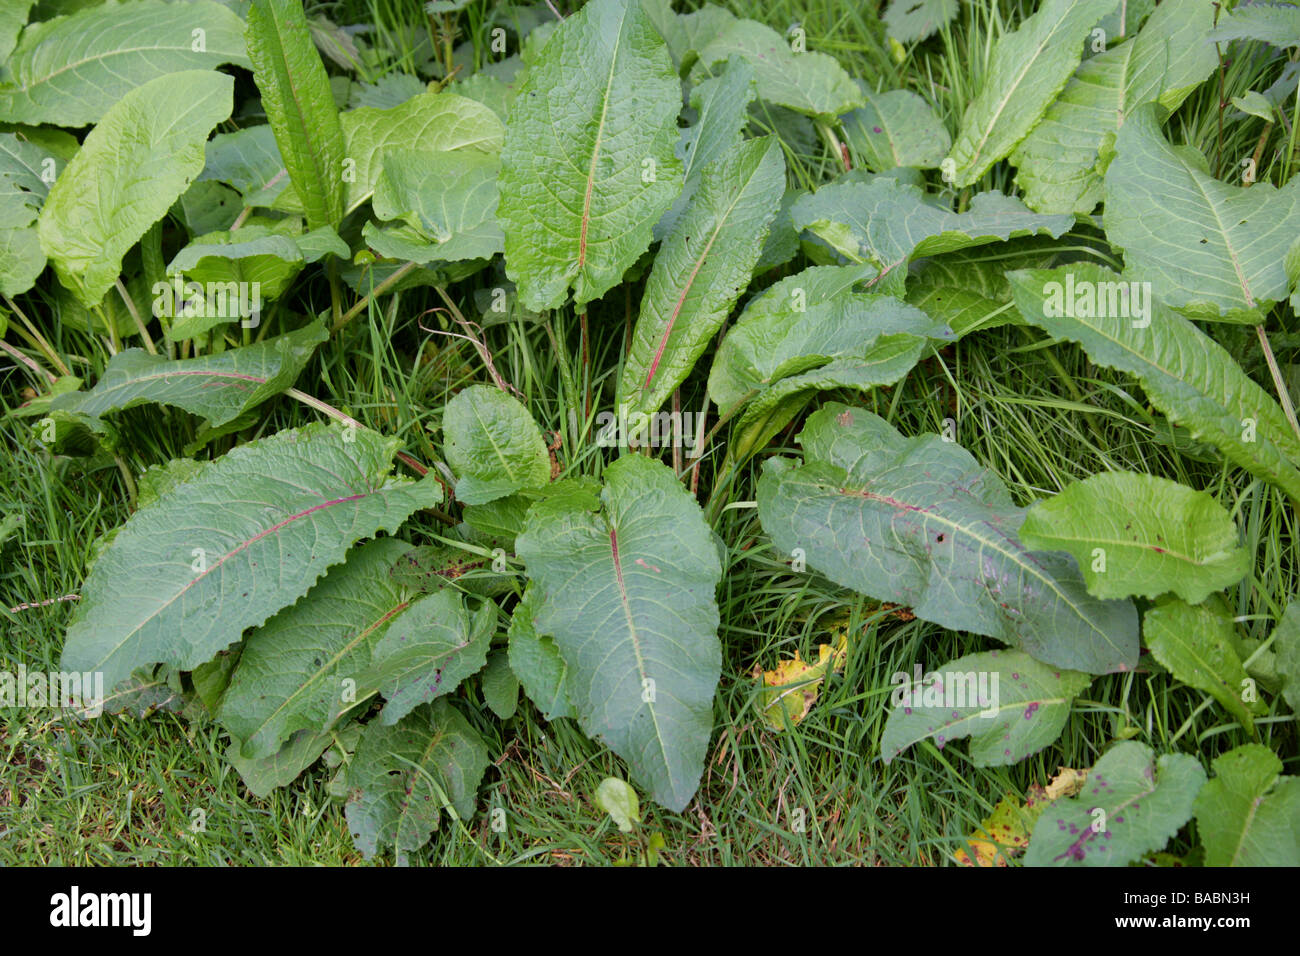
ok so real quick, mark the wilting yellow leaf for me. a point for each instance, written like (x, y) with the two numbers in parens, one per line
(1005, 832)
(793, 685)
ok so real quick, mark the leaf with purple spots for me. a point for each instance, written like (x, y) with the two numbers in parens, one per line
(896, 128)
(1009, 704)
(1143, 804)
(919, 522)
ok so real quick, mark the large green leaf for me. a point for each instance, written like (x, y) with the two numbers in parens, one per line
(493, 445)
(536, 661)
(127, 174)
(1009, 704)
(810, 83)
(247, 160)
(919, 522)
(810, 332)
(1246, 815)
(1213, 250)
(449, 200)
(428, 123)
(911, 20)
(626, 587)
(1142, 802)
(219, 387)
(1059, 160)
(1286, 645)
(1186, 374)
(1136, 534)
(403, 777)
(429, 650)
(296, 97)
(969, 289)
(26, 171)
(261, 775)
(886, 223)
(896, 128)
(308, 666)
(1275, 23)
(1029, 68)
(700, 271)
(588, 165)
(222, 552)
(13, 16)
(1196, 644)
(71, 70)
(722, 104)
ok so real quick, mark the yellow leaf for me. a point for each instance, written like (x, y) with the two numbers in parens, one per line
(793, 684)
(1005, 832)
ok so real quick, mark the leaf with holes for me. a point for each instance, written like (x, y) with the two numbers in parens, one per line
(249, 535)
(625, 585)
(588, 165)
(1141, 535)
(1131, 805)
(1009, 704)
(919, 522)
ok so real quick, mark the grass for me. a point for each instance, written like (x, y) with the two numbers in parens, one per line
(127, 789)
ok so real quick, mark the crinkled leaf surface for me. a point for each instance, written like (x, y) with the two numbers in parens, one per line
(1058, 162)
(249, 535)
(428, 123)
(1246, 815)
(536, 661)
(493, 445)
(701, 269)
(24, 170)
(247, 160)
(403, 776)
(1186, 374)
(919, 522)
(429, 650)
(1196, 644)
(1155, 536)
(1275, 23)
(296, 96)
(131, 168)
(220, 387)
(1145, 803)
(1010, 705)
(896, 128)
(449, 198)
(1029, 68)
(71, 70)
(588, 166)
(886, 223)
(1212, 250)
(292, 671)
(911, 20)
(722, 105)
(810, 83)
(625, 585)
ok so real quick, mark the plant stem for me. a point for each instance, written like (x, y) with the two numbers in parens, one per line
(379, 290)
